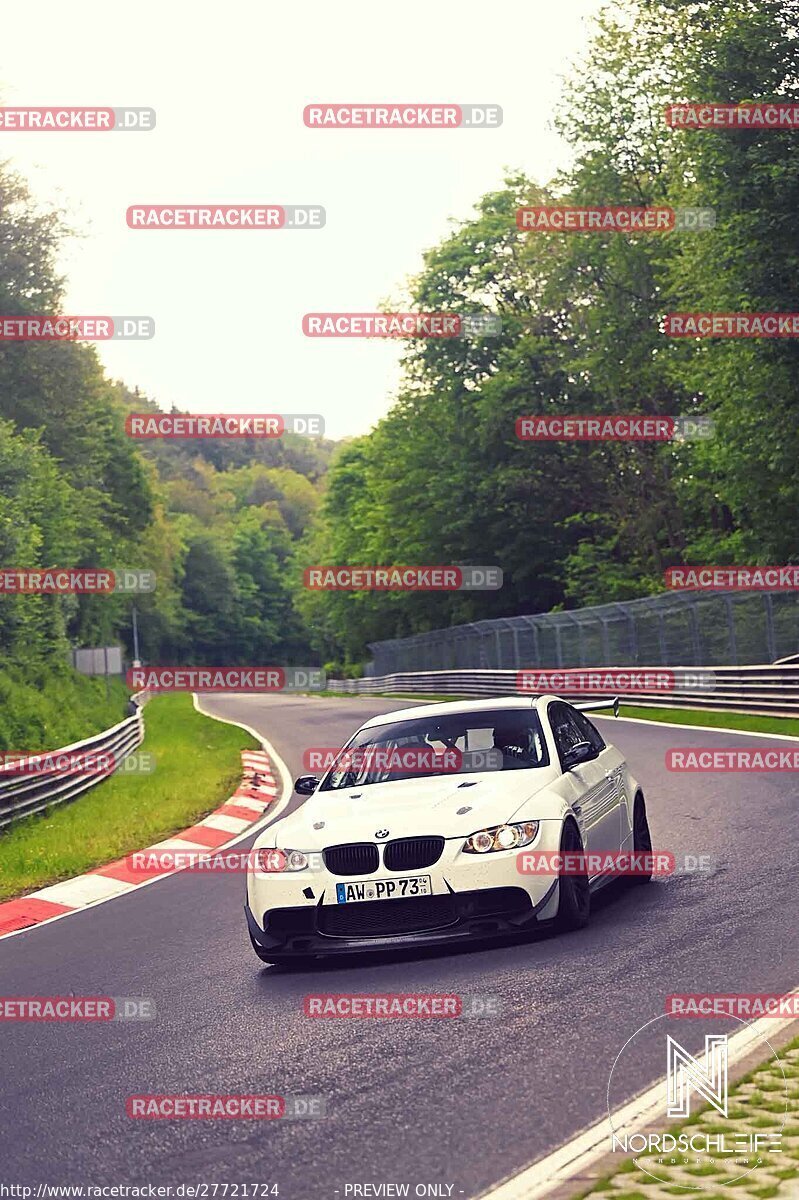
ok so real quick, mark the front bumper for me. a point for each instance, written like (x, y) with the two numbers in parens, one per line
(440, 919)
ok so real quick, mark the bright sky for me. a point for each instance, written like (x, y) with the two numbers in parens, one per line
(229, 83)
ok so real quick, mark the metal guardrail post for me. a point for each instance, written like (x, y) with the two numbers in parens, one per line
(558, 646)
(731, 629)
(771, 640)
(694, 623)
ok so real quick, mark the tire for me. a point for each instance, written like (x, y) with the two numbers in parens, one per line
(574, 893)
(642, 839)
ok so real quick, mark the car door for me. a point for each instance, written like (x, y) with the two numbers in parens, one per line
(591, 786)
(613, 767)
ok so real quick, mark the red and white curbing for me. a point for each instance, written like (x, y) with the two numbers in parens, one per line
(257, 790)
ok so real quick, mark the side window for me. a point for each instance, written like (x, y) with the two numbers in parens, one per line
(565, 730)
(590, 732)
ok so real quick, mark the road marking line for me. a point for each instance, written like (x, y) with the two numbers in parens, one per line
(244, 810)
(82, 890)
(248, 799)
(229, 824)
(174, 843)
(208, 837)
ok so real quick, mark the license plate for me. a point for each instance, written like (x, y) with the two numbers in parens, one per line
(383, 889)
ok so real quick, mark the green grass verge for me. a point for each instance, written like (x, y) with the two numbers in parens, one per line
(721, 720)
(56, 709)
(788, 726)
(197, 766)
(422, 697)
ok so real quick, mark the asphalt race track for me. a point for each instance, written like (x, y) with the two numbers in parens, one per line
(462, 1102)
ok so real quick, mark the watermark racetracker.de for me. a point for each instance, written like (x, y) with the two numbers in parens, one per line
(54, 328)
(77, 1008)
(731, 325)
(745, 1006)
(403, 578)
(723, 759)
(402, 116)
(357, 1006)
(734, 579)
(400, 760)
(223, 1107)
(617, 218)
(614, 680)
(225, 679)
(604, 428)
(225, 216)
(80, 763)
(431, 325)
(69, 119)
(57, 581)
(713, 115)
(223, 425)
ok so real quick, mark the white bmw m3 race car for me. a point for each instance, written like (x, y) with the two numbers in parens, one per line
(444, 823)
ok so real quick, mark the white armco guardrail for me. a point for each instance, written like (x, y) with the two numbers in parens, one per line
(772, 689)
(23, 793)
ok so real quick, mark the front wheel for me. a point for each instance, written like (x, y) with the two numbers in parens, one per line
(574, 892)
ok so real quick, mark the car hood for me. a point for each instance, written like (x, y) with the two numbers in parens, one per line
(445, 805)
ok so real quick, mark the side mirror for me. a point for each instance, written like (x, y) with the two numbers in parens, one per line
(580, 752)
(306, 784)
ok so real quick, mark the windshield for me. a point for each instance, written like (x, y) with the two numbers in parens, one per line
(455, 744)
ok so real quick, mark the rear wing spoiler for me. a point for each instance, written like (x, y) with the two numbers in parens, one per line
(593, 705)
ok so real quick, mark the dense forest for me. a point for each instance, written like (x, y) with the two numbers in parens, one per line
(229, 526)
(218, 522)
(443, 478)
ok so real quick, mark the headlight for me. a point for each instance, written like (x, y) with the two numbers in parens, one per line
(501, 837)
(275, 861)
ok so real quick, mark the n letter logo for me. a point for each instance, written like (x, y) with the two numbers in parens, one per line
(685, 1073)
